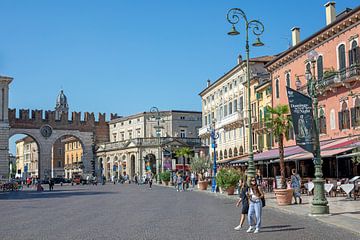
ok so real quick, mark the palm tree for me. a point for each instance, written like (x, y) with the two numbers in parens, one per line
(279, 122)
(184, 152)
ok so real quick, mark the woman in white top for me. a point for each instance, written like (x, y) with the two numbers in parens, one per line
(255, 195)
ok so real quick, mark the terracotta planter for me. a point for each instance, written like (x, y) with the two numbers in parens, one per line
(284, 196)
(203, 185)
(165, 183)
(230, 190)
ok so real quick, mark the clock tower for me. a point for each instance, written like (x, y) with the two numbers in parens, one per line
(61, 105)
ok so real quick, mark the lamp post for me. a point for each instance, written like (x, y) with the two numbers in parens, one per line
(213, 136)
(319, 203)
(233, 17)
(157, 117)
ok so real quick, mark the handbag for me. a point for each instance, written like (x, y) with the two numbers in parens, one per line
(263, 202)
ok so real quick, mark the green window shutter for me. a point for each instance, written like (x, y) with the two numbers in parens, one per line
(340, 120)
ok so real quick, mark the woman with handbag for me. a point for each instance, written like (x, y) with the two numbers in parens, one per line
(256, 197)
(243, 189)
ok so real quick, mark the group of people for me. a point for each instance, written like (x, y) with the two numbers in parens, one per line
(252, 199)
(182, 181)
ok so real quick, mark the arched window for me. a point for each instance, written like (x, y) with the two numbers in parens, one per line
(354, 57)
(287, 76)
(320, 67)
(341, 57)
(332, 119)
(230, 152)
(308, 67)
(277, 90)
(322, 121)
(230, 108)
(225, 154)
(235, 152)
(344, 117)
(355, 113)
(221, 155)
(241, 150)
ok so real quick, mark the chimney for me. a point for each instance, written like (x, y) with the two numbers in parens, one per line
(239, 59)
(208, 83)
(295, 35)
(330, 12)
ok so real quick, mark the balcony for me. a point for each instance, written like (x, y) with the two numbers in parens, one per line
(204, 131)
(231, 121)
(333, 79)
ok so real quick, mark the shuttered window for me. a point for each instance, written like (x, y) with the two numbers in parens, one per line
(320, 68)
(341, 56)
(277, 88)
(322, 122)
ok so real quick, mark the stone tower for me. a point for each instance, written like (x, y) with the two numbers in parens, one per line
(4, 126)
(61, 105)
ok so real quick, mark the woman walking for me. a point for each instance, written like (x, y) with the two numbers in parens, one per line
(256, 196)
(296, 184)
(243, 189)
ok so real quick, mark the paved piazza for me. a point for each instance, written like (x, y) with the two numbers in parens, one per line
(136, 212)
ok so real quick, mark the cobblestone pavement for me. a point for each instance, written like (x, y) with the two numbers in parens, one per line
(136, 212)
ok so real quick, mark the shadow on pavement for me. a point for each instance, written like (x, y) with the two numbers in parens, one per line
(283, 229)
(339, 213)
(46, 194)
(276, 226)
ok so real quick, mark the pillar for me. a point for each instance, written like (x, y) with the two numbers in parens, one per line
(4, 126)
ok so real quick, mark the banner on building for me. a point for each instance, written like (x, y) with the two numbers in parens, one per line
(302, 119)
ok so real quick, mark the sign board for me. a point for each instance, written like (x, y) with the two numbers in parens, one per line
(302, 119)
(26, 168)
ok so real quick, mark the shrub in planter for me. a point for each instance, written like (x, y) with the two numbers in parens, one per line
(165, 177)
(227, 179)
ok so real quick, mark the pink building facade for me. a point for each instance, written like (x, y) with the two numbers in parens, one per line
(337, 67)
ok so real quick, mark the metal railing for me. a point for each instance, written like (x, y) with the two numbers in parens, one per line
(338, 77)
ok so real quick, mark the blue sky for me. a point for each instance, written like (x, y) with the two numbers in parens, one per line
(127, 56)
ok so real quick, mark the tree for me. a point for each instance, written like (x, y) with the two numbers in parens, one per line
(200, 165)
(184, 152)
(279, 122)
(356, 158)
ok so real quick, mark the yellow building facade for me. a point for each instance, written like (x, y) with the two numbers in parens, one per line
(73, 157)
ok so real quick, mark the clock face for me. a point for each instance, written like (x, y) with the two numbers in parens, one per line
(46, 131)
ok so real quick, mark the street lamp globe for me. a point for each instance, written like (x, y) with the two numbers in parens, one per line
(233, 31)
(258, 43)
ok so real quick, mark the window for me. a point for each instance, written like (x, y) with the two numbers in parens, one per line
(308, 67)
(235, 105)
(277, 88)
(129, 121)
(355, 113)
(287, 76)
(290, 133)
(241, 103)
(322, 121)
(205, 120)
(130, 134)
(122, 134)
(59, 164)
(114, 137)
(183, 133)
(230, 86)
(182, 118)
(225, 110)
(354, 54)
(344, 117)
(230, 108)
(320, 67)
(341, 57)
(332, 119)
(59, 151)
(138, 131)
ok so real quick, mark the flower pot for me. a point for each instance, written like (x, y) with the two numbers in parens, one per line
(203, 185)
(166, 183)
(284, 196)
(230, 190)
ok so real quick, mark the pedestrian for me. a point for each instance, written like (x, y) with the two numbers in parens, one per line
(258, 177)
(256, 198)
(187, 181)
(193, 179)
(150, 182)
(296, 185)
(243, 190)
(179, 183)
(136, 179)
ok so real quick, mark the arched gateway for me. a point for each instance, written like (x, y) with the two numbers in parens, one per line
(46, 130)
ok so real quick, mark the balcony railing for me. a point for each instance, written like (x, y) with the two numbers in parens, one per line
(204, 130)
(235, 118)
(338, 78)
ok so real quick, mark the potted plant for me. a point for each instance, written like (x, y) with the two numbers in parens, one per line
(199, 165)
(165, 177)
(279, 122)
(227, 178)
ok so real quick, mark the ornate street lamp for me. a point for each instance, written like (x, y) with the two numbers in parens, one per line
(233, 17)
(314, 87)
(157, 117)
(213, 136)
